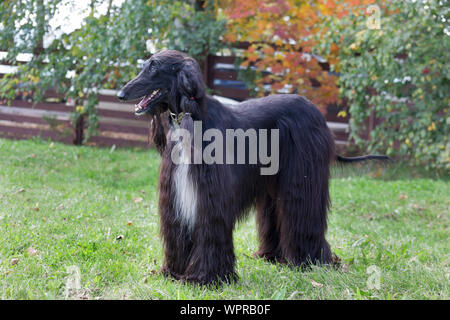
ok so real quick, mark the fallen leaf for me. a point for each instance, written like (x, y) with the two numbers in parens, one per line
(129, 223)
(316, 284)
(293, 295)
(14, 261)
(137, 200)
(84, 294)
(336, 260)
(345, 268)
(32, 251)
(418, 207)
(19, 191)
(402, 196)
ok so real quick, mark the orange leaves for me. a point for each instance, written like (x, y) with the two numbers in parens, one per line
(241, 9)
(277, 86)
(268, 50)
(277, 68)
(283, 33)
(252, 57)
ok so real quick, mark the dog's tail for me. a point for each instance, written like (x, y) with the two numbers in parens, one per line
(362, 158)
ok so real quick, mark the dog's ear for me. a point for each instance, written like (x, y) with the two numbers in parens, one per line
(190, 88)
(158, 133)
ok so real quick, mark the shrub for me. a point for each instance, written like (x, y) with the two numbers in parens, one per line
(399, 70)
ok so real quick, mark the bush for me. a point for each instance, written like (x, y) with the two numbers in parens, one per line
(400, 72)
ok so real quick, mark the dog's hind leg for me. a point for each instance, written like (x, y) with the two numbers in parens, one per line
(303, 199)
(268, 231)
(302, 217)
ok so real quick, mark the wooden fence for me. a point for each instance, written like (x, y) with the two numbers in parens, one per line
(117, 123)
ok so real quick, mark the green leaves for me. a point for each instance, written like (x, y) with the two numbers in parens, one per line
(177, 25)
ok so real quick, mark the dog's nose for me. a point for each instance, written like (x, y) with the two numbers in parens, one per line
(121, 95)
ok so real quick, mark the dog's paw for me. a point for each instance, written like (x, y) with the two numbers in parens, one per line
(165, 271)
(336, 262)
(206, 279)
(269, 256)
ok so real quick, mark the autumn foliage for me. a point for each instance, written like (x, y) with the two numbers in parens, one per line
(282, 34)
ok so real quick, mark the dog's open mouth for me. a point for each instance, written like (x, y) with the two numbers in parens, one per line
(145, 104)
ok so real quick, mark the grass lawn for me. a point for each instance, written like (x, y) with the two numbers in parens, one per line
(64, 208)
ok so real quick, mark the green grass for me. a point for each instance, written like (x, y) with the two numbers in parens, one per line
(71, 203)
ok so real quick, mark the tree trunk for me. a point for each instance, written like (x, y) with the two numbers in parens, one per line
(108, 12)
(40, 27)
(79, 131)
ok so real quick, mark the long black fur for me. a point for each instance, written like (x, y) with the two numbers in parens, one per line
(291, 205)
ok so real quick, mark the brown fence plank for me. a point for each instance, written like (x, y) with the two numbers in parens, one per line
(25, 133)
(108, 98)
(224, 59)
(226, 75)
(42, 106)
(26, 119)
(121, 115)
(342, 136)
(125, 129)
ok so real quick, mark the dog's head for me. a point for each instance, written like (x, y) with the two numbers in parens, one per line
(168, 80)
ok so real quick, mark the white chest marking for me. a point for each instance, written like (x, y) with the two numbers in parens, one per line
(185, 195)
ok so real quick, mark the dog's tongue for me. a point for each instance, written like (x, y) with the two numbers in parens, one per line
(144, 101)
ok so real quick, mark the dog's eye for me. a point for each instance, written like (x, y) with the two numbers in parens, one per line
(152, 69)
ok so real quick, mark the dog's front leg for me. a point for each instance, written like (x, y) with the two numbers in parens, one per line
(212, 259)
(176, 236)
(177, 249)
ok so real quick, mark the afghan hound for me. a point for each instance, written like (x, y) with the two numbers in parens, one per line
(200, 202)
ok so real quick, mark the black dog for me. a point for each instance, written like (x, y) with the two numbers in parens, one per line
(199, 204)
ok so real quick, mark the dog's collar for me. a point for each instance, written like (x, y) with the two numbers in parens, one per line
(177, 118)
